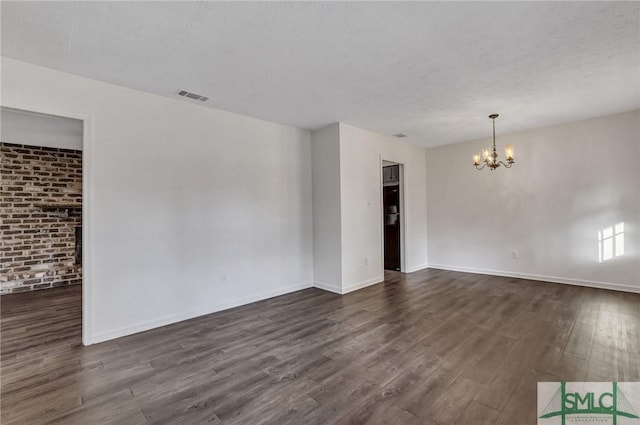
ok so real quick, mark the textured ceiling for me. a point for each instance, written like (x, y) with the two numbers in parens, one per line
(431, 70)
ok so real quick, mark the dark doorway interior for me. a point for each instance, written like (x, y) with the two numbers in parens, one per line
(391, 204)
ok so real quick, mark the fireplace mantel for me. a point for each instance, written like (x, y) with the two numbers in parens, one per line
(58, 206)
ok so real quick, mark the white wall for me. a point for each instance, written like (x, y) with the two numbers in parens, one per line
(179, 194)
(569, 182)
(361, 156)
(347, 206)
(28, 128)
(327, 245)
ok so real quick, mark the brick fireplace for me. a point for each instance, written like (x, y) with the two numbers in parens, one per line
(41, 217)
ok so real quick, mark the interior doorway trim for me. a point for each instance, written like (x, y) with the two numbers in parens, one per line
(87, 234)
(403, 215)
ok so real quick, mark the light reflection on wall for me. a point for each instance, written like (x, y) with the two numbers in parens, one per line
(611, 242)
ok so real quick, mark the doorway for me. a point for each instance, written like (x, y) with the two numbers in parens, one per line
(42, 281)
(393, 215)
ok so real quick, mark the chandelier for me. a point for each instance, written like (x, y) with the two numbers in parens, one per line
(490, 157)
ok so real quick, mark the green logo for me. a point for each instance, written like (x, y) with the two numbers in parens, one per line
(587, 402)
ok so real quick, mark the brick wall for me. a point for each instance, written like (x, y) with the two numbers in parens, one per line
(37, 224)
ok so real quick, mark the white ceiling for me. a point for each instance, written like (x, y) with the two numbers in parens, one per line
(431, 70)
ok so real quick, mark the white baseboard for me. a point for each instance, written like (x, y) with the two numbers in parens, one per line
(179, 317)
(350, 288)
(416, 268)
(362, 284)
(544, 278)
(328, 287)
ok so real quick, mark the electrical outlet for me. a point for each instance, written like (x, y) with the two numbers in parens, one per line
(366, 261)
(514, 255)
(223, 277)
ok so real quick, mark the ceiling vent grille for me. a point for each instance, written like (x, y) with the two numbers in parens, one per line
(193, 96)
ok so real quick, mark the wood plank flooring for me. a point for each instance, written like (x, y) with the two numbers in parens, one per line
(431, 347)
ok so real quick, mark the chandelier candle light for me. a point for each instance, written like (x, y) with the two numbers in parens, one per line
(491, 156)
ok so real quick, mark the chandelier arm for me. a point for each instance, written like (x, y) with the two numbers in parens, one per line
(480, 168)
(506, 165)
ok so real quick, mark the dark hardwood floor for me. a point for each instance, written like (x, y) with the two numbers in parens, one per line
(432, 347)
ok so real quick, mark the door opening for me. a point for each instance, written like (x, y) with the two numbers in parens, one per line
(392, 205)
(43, 158)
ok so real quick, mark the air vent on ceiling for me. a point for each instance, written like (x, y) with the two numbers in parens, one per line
(194, 96)
(400, 135)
